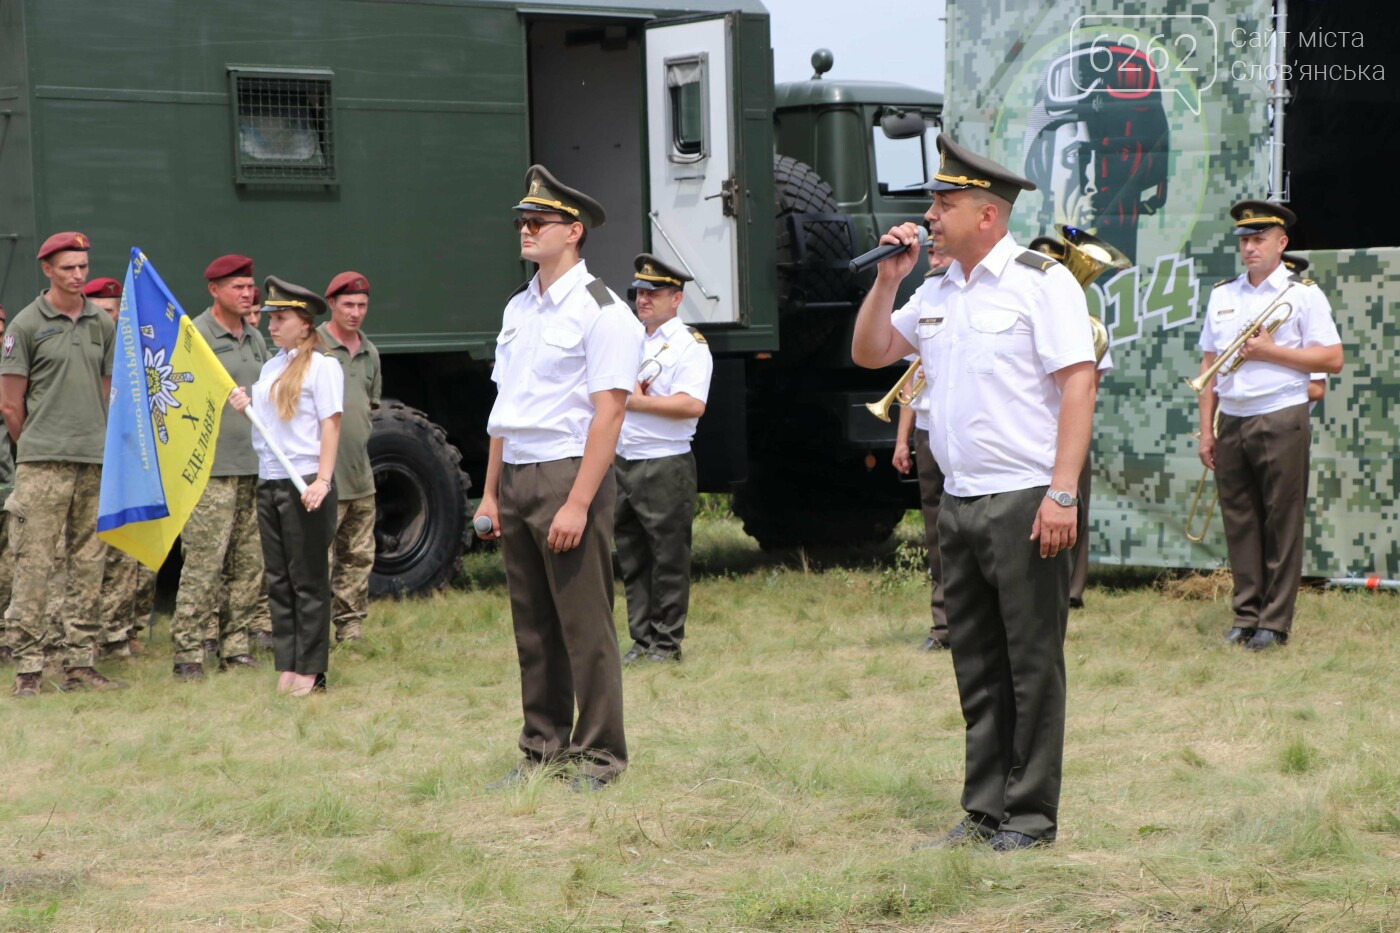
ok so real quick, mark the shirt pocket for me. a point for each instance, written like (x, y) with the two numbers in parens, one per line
(561, 353)
(932, 334)
(990, 336)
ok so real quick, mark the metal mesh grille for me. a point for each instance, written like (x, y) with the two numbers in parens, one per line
(285, 131)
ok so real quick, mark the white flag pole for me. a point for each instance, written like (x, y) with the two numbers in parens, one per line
(277, 452)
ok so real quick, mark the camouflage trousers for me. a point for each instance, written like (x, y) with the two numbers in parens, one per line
(221, 585)
(7, 573)
(122, 575)
(54, 505)
(352, 558)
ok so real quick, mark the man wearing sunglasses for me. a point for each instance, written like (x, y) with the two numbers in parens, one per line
(566, 360)
(656, 481)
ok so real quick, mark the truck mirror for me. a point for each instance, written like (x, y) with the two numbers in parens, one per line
(902, 124)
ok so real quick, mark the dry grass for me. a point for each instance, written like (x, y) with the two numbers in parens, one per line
(1215, 586)
(779, 777)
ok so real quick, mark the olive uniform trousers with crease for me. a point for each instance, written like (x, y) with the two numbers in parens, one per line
(1007, 611)
(1261, 470)
(1079, 575)
(655, 513)
(562, 605)
(930, 499)
(296, 554)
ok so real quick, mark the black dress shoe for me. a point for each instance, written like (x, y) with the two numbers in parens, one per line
(1008, 840)
(967, 832)
(633, 654)
(514, 778)
(659, 654)
(933, 644)
(1265, 639)
(1238, 635)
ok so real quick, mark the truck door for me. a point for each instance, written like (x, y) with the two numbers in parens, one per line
(693, 140)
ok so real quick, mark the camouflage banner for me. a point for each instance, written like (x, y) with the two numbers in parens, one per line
(1142, 122)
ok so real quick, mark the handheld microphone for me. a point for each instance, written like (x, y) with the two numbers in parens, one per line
(880, 253)
(482, 524)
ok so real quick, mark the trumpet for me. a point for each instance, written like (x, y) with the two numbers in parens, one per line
(1200, 488)
(904, 391)
(1229, 359)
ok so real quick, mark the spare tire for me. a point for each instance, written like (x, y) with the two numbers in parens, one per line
(814, 244)
(421, 504)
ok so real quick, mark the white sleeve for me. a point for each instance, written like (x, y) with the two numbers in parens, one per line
(693, 373)
(327, 387)
(1319, 329)
(612, 349)
(1209, 341)
(1061, 322)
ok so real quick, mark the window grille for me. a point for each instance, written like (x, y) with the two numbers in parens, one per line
(284, 128)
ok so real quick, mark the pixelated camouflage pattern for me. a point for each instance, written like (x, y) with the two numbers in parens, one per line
(1146, 466)
(352, 559)
(221, 584)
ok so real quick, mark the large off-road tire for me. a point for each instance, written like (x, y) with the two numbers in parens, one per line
(421, 502)
(813, 241)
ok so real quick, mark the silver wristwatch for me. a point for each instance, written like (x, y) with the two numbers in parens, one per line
(1065, 499)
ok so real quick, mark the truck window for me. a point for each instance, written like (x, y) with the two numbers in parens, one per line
(904, 166)
(685, 82)
(283, 130)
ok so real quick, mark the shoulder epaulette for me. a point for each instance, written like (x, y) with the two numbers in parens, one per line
(699, 337)
(600, 293)
(1224, 281)
(1298, 278)
(523, 285)
(935, 273)
(1038, 261)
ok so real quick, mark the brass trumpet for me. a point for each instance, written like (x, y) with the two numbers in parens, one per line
(1200, 488)
(904, 392)
(1229, 360)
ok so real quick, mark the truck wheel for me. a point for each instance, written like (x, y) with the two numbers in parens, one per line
(420, 502)
(813, 246)
(780, 516)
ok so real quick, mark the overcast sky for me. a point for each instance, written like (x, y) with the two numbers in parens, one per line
(870, 41)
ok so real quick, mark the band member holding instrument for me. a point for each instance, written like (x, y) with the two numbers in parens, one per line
(1009, 358)
(656, 478)
(1260, 456)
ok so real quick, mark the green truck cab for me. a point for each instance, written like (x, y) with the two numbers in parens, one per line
(392, 136)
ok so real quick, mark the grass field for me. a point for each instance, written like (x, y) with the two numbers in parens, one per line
(779, 777)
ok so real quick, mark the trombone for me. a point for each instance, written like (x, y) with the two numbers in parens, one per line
(904, 391)
(1229, 359)
(1200, 488)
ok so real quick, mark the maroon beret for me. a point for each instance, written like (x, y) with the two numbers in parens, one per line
(348, 283)
(103, 288)
(60, 242)
(225, 266)
(257, 297)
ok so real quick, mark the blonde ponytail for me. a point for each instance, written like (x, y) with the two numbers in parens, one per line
(286, 388)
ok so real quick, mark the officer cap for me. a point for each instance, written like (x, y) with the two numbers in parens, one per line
(960, 170)
(284, 296)
(1258, 216)
(225, 266)
(348, 283)
(652, 274)
(60, 242)
(103, 288)
(1295, 263)
(544, 192)
(1050, 247)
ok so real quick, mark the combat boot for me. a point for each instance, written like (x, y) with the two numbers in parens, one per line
(117, 650)
(6, 655)
(27, 685)
(87, 678)
(189, 672)
(211, 648)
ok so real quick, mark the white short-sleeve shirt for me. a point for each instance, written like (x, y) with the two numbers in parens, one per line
(322, 395)
(685, 367)
(1257, 388)
(991, 342)
(555, 349)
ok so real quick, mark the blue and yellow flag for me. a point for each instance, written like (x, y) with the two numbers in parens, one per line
(168, 394)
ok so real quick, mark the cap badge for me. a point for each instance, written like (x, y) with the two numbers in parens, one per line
(534, 187)
(359, 283)
(1247, 213)
(82, 241)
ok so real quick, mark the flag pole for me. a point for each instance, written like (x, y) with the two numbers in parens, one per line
(297, 481)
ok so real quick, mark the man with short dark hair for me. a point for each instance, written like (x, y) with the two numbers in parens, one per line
(566, 359)
(55, 379)
(656, 478)
(1008, 356)
(1260, 456)
(222, 590)
(352, 551)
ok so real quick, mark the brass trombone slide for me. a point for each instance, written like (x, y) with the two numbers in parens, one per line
(1200, 488)
(1229, 360)
(904, 391)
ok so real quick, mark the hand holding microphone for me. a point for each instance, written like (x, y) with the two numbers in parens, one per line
(898, 241)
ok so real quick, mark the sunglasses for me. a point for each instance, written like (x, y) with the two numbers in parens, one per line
(533, 225)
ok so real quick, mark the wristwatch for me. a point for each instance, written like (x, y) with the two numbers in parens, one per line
(1065, 499)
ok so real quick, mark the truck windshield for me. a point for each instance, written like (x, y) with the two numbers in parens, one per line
(904, 166)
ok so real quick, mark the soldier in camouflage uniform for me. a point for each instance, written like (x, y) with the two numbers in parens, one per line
(55, 379)
(352, 552)
(7, 485)
(221, 584)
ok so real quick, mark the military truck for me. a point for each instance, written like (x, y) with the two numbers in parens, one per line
(392, 136)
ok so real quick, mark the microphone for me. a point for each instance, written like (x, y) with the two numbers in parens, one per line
(880, 253)
(482, 524)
